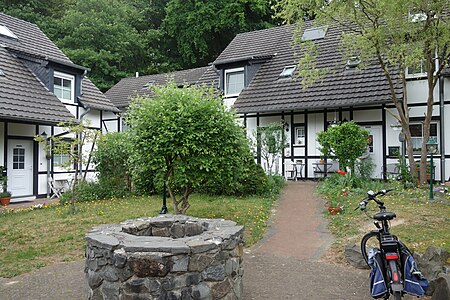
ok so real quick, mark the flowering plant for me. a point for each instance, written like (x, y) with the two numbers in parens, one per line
(343, 173)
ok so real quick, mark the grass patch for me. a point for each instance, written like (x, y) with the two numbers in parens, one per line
(420, 223)
(31, 239)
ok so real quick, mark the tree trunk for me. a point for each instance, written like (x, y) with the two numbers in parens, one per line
(429, 113)
(74, 184)
(174, 199)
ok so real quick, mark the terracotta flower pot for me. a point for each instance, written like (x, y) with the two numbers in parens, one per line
(5, 201)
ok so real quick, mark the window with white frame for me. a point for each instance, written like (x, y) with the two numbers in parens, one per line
(287, 71)
(64, 87)
(234, 81)
(417, 135)
(61, 153)
(299, 135)
(61, 159)
(418, 70)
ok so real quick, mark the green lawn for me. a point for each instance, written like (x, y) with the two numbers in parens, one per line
(31, 239)
(420, 223)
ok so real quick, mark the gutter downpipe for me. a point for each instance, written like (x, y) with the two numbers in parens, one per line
(88, 109)
(442, 126)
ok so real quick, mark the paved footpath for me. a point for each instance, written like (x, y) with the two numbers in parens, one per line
(284, 265)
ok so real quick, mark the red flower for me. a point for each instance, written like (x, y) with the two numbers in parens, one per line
(341, 172)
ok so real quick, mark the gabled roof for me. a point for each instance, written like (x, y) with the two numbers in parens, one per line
(92, 97)
(268, 92)
(30, 39)
(22, 95)
(252, 45)
(121, 93)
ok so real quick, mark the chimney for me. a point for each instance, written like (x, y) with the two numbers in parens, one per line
(137, 74)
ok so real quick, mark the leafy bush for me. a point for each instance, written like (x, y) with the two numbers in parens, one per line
(89, 191)
(275, 185)
(249, 179)
(347, 142)
(112, 161)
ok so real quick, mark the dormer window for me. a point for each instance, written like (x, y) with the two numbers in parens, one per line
(4, 31)
(314, 33)
(234, 82)
(64, 87)
(287, 71)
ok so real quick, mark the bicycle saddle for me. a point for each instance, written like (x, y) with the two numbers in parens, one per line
(382, 216)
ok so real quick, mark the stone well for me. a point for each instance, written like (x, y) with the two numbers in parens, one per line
(166, 257)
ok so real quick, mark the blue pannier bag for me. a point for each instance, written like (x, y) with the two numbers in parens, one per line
(414, 282)
(378, 286)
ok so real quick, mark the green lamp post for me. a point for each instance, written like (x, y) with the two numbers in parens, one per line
(432, 149)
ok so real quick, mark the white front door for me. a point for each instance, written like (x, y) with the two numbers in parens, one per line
(375, 149)
(20, 167)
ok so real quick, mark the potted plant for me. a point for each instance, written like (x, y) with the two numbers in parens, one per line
(5, 196)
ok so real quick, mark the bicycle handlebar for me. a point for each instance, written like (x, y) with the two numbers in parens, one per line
(372, 196)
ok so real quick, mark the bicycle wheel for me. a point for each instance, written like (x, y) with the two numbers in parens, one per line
(369, 241)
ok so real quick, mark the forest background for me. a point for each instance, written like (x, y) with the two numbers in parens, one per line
(116, 38)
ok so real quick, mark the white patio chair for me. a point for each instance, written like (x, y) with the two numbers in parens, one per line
(56, 188)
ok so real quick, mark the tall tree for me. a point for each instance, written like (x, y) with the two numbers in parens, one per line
(203, 28)
(98, 34)
(396, 34)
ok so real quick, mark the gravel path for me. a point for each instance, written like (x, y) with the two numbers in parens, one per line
(284, 265)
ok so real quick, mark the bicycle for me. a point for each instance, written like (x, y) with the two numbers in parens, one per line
(391, 255)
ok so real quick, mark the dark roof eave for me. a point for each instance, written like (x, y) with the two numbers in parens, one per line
(241, 59)
(99, 107)
(39, 122)
(270, 109)
(46, 58)
(67, 64)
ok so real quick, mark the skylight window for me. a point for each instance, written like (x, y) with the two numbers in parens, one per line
(150, 83)
(287, 71)
(353, 62)
(2, 74)
(4, 31)
(315, 33)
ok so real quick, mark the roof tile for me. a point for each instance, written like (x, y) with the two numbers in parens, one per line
(121, 93)
(339, 87)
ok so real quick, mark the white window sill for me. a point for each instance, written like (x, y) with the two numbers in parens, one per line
(231, 95)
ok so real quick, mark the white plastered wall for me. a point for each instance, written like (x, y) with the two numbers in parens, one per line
(2, 143)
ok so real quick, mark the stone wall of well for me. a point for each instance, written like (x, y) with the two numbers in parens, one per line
(167, 257)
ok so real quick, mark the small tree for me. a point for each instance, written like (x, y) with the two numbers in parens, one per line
(71, 144)
(187, 135)
(271, 141)
(346, 142)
